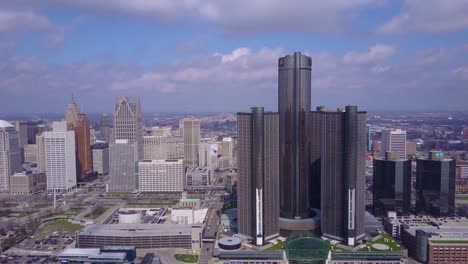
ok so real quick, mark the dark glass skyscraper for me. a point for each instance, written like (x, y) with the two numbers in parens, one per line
(294, 103)
(258, 192)
(392, 185)
(343, 150)
(435, 185)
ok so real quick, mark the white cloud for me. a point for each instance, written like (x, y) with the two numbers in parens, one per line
(461, 72)
(428, 16)
(21, 21)
(380, 69)
(373, 54)
(233, 17)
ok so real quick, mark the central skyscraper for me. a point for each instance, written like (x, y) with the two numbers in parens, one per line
(294, 104)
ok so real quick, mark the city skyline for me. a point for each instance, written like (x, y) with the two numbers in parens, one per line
(366, 53)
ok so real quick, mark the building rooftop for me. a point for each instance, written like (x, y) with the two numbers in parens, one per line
(130, 230)
(5, 124)
(189, 200)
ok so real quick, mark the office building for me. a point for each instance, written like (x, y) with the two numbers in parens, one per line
(161, 131)
(84, 160)
(181, 128)
(368, 138)
(10, 154)
(175, 148)
(22, 129)
(227, 146)
(435, 185)
(208, 155)
(394, 141)
(60, 158)
(128, 122)
(343, 150)
(198, 178)
(25, 183)
(258, 191)
(40, 154)
(223, 164)
(154, 147)
(141, 236)
(392, 185)
(30, 153)
(294, 102)
(71, 114)
(34, 130)
(411, 148)
(435, 240)
(123, 165)
(105, 127)
(161, 176)
(101, 158)
(191, 130)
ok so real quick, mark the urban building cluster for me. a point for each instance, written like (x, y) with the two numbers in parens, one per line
(297, 185)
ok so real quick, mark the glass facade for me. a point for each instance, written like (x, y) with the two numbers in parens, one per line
(392, 186)
(435, 187)
(294, 102)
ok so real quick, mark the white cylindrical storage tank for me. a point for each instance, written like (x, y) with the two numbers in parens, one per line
(129, 217)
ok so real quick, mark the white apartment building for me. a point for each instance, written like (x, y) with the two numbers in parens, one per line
(161, 175)
(60, 158)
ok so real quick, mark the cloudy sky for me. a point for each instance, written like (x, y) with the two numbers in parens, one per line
(221, 55)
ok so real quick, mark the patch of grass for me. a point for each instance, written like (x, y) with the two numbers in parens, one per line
(186, 258)
(449, 241)
(58, 225)
(278, 246)
(462, 197)
(75, 210)
(385, 239)
(97, 213)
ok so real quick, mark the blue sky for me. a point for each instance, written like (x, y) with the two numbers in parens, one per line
(220, 55)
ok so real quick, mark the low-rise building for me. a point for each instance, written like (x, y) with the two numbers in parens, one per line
(27, 183)
(141, 236)
(198, 178)
(188, 216)
(223, 163)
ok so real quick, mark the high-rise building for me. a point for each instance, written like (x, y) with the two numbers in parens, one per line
(40, 154)
(435, 185)
(161, 131)
(191, 141)
(30, 153)
(105, 127)
(208, 155)
(394, 141)
(175, 148)
(392, 185)
(343, 150)
(60, 158)
(84, 160)
(181, 127)
(34, 130)
(10, 155)
(22, 129)
(294, 102)
(128, 122)
(101, 158)
(71, 114)
(154, 147)
(368, 138)
(258, 163)
(161, 176)
(227, 146)
(123, 165)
